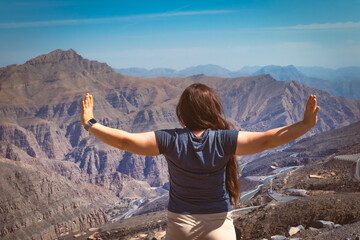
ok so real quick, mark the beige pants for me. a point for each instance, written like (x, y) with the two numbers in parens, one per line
(214, 226)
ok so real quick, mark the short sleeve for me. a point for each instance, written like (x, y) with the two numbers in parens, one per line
(229, 140)
(164, 140)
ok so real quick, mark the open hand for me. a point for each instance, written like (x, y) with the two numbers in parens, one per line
(311, 110)
(86, 109)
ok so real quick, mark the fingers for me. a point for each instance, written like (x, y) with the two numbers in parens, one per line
(310, 114)
(88, 101)
(86, 109)
(308, 101)
(316, 110)
(311, 103)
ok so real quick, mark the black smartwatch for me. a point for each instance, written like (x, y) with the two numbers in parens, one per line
(89, 124)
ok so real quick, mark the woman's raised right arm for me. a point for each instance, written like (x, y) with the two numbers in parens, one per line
(137, 143)
(255, 142)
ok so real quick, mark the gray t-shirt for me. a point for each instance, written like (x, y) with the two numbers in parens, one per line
(197, 167)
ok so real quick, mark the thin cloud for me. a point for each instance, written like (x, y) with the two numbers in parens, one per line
(319, 26)
(109, 20)
(42, 3)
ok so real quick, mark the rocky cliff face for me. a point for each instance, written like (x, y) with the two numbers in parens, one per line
(33, 206)
(40, 111)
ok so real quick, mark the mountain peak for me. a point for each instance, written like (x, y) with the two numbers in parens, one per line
(55, 56)
(281, 73)
(69, 60)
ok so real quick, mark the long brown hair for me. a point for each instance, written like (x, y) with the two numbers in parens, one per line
(199, 108)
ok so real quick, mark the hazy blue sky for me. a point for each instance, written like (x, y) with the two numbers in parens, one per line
(179, 34)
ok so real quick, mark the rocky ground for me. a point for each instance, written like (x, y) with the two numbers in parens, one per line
(145, 226)
(332, 194)
(351, 231)
(276, 218)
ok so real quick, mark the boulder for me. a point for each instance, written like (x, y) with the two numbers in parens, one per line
(160, 235)
(296, 192)
(294, 230)
(313, 229)
(316, 176)
(279, 237)
(93, 229)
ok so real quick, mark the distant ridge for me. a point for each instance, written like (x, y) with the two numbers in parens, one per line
(340, 74)
(209, 70)
(287, 73)
(340, 82)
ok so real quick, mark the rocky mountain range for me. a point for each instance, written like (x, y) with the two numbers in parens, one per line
(340, 82)
(40, 131)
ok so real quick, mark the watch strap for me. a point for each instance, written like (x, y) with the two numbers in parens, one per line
(89, 124)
